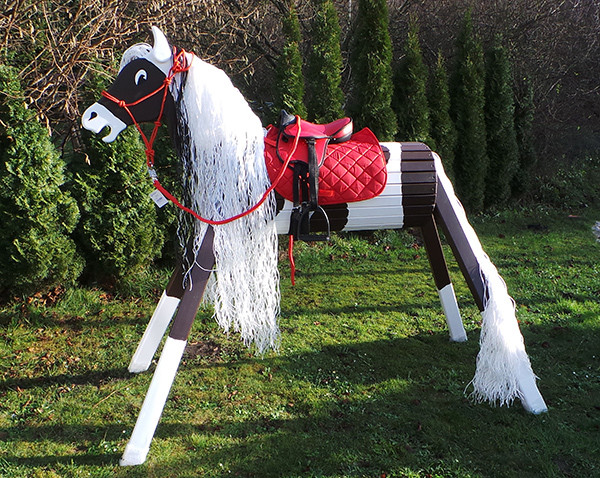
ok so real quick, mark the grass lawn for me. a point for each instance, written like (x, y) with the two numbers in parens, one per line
(366, 382)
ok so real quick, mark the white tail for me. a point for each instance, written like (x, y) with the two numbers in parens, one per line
(503, 370)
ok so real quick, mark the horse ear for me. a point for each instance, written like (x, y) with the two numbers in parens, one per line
(161, 51)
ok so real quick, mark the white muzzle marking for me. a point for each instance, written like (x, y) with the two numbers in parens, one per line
(98, 117)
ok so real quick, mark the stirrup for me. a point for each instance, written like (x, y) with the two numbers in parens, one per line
(306, 213)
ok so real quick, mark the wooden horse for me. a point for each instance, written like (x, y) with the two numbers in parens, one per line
(220, 143)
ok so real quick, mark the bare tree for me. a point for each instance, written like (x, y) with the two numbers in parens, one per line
(58, 45)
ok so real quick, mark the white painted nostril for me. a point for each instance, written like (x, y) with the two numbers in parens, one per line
(98, 117)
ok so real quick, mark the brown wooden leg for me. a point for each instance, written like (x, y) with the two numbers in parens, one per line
(160, 320)
(443, 284)
(459, 242)
(166, 307)
(156, 397)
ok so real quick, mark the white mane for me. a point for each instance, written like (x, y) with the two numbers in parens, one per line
(224, 175)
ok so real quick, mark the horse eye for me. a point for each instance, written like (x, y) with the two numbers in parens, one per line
(140, 75)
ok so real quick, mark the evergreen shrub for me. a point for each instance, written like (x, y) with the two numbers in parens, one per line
(572, 188)
(371, 61)
(325, 98)
(502, 149)
(36, 214)
(166, 164)
(467, 109)
(118, 230)
(443, 132)
(524, 116)
(289, 80)
(410, 92)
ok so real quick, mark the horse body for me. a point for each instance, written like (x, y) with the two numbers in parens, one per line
(220, 143)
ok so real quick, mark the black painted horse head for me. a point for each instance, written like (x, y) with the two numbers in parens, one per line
(139, 93)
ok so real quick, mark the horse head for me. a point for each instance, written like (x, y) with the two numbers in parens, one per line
(136, 92)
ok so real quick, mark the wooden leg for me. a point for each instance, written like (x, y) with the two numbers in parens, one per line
(158, 324)
(459, 242)
(443, 284)
(531, 398)
(156, 397)
(495, 374)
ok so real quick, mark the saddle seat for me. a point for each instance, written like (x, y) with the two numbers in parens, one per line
(337, 131)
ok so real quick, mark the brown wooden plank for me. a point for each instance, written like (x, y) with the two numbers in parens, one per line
(416, 221)
(190, 301)
(435, 254)
(425, 210)
(419, 189)
(461, 247)
(418, 177)
(414, 146)
(418, 200)
(417, 155)
(416, 165)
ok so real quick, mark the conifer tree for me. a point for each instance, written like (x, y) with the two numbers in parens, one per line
(168, 167)
(118, 229)
(502, 149)
(325, 97)
(524, 115)
(443, 131)
(36, 215)
(410, 92)
(289, 78)
(371, 61)
(467, 110)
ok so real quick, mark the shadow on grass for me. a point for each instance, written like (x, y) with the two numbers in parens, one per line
(66, 460)
(401, 307)
(365, 409)
(363, 415)
(39, 318)
(96, 377)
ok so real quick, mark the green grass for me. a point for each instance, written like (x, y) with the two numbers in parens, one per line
(366, 382)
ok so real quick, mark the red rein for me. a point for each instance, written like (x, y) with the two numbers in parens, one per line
(179, 66)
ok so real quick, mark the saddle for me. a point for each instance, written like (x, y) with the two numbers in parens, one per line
(328, 165)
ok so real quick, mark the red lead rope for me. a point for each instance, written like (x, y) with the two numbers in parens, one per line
(179, 66)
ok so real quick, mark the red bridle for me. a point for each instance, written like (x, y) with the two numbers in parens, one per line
(180, 66)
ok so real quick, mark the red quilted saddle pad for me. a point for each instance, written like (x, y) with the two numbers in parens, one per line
(354, 170)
